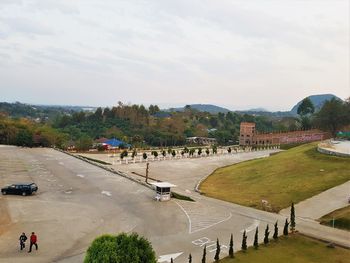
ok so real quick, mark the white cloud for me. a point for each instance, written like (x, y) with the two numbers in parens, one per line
(225, 52)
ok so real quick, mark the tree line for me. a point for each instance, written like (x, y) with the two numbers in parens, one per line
(142, 127)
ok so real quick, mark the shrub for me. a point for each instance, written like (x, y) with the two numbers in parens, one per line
(123, 248)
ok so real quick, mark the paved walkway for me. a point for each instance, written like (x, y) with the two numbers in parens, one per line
(323, 203)
(308, 211)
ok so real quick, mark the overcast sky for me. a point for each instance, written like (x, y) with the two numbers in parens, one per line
(238, 54)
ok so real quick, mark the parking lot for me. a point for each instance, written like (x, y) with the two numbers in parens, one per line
(77, 201)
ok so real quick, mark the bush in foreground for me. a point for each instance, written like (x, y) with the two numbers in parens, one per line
(122, 248)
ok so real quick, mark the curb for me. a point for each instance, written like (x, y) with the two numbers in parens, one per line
(111, 170)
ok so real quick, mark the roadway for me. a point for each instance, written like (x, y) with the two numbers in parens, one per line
(78, 201)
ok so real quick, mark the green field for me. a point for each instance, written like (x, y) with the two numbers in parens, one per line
(289, 176)
(341, 218)
(293, 249)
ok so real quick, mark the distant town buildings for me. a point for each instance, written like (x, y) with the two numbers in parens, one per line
(250, 136)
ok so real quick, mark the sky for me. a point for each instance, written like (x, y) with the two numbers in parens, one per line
(231, 53)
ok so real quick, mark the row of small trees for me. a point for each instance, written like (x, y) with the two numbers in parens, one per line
(244, 245)
(191, 152)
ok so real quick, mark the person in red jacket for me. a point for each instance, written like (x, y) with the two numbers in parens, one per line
(33, 241)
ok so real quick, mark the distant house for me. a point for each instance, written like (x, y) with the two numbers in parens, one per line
(115, 143)
(201, 140)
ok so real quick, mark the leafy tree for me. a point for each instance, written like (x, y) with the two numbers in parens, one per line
(256, 239)
(123, 248)
(217, 253)
(144, 156)
(305, 122)
(215, 149)
(170, 150)
(267, 233)
(123, 154)
(182, 153)
(244, 241)
(333, 115)
(100, 147)
(153, 109)
(207, 151)
(164, 153)
(229, 150)
(285, 228)
(199, 151)
(275, 232)
(84, 143)
(134, 154)
(192, 151)
(173, 153)
(292, 218)
(24, 138)
(186, 150)
(204, 254)
(190, 258)
(306, 107)
(231, 250)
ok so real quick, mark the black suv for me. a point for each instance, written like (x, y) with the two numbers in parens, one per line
(20, 189)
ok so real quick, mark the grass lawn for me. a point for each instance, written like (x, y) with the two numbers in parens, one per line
(293, 175)
(341, 218)
(293, 249)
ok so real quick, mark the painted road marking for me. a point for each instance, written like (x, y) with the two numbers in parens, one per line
(106, 193)
(200, 242)
(81, 175)
(201, 217)
(167, 258)
(252, 226)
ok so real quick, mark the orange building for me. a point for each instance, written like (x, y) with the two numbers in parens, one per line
(249, 136)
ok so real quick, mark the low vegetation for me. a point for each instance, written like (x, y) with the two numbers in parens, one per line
(292, 249)
(94, 160)
(273, 183)
(181, 197)
(122, 248)
(341, 218)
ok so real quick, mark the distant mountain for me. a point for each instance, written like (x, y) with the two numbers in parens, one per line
(257, 109)
(275, 114)
(19, 110)
(204, 107)
(317, 100)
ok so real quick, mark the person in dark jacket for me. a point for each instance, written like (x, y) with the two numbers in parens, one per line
(33, 241)
(22, 241)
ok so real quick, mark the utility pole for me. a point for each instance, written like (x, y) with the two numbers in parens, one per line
(147, 165)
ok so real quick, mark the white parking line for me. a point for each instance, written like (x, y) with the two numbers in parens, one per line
(188, 217)
(252, 226)
(106, 193)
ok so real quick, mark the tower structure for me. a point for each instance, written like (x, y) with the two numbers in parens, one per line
(247, 132)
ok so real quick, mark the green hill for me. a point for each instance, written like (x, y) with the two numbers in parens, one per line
(317, 100)
(213, 109)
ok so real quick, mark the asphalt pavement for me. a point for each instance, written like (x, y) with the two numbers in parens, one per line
(78, 201)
